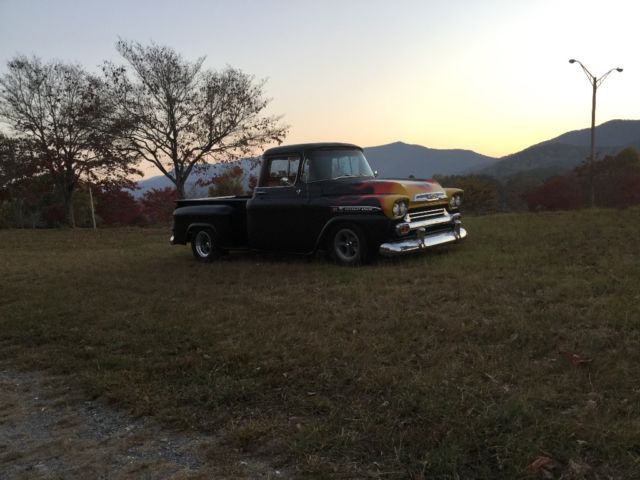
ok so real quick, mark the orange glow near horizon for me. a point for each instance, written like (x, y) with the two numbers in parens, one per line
(490, 76)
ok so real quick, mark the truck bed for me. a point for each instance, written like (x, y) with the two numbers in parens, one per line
(228, 215)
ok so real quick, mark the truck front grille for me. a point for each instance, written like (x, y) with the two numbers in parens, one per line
(426, 214)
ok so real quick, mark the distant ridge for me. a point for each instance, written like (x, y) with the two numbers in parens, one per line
(401, 160)
(204, 172)
(614, 133)
(395, 160)
(567, 151)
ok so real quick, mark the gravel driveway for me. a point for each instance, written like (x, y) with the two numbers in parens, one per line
(50, 431)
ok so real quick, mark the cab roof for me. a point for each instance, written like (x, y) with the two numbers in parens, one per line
(305, 147)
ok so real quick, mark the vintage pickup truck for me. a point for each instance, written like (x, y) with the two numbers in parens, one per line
(322, 196)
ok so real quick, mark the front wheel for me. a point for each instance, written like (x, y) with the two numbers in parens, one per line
(348, 245)
(203, 246)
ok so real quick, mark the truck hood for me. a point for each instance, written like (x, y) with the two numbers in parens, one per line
(415, 190)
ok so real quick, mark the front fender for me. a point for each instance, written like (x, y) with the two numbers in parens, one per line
(376, 227)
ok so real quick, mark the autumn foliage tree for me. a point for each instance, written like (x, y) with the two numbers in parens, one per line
(616, 185)
(482, 194)
(18, 165)
(28, 195)
(116, 206)
(180, 115)
(227, 183)
(158, 205)
(63, 112)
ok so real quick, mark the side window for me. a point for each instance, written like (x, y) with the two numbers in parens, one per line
(279, 168)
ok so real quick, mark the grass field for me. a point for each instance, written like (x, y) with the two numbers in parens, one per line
(473, 361)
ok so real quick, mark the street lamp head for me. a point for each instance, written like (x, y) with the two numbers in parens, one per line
(573, 60)
(618, 69)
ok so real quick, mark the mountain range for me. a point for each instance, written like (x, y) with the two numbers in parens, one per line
(401, 160)
(567, 151)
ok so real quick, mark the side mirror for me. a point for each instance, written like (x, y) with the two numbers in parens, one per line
(285, 181)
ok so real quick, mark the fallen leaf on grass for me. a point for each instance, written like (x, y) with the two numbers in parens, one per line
(575, 359)
(542, 464)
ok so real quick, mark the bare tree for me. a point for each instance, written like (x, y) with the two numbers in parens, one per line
(181, 115)
(61, 110)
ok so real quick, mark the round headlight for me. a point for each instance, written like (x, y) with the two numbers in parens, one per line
(400, 208)
(452, 202)
(458, 200)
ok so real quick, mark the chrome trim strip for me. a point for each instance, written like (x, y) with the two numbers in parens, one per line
(356, 208)
(414, 244)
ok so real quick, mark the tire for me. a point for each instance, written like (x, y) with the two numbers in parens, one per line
(203, 246)
(348, 245)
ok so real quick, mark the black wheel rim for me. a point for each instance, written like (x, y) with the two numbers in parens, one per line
(347, 245)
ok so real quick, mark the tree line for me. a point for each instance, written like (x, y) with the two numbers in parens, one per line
(616, 185)
(68, 134)
(67, 130)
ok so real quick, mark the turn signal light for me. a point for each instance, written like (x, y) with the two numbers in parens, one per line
(403, 228)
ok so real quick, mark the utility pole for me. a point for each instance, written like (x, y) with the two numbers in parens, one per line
(93, 213)
(595, 83)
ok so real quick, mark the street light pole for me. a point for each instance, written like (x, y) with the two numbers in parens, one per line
(595, 83)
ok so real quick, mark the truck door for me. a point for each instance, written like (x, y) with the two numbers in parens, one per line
(276, 213)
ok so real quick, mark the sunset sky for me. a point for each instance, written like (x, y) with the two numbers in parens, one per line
(487, 75)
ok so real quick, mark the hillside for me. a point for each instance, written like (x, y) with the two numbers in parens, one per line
(205, 172)
(553, 158)
(567, 151)
(615, 133)
(400, 160)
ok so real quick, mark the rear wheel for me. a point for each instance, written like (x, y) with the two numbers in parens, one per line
(348, 245)
(203, 246)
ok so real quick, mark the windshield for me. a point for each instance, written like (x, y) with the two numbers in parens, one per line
(334, 164)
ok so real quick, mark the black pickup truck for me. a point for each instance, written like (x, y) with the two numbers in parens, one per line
(322, 196)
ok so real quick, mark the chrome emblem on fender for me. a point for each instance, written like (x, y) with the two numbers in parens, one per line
(356, 208)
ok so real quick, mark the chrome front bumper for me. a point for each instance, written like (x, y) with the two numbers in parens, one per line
(453, 232)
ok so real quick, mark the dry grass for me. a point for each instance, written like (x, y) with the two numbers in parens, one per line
(466, 362)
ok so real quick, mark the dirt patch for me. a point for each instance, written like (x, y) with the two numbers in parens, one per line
(50, 431)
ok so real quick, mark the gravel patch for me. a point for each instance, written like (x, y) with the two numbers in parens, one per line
(50, 431)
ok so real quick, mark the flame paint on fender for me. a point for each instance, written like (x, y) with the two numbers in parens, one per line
(384, 193)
